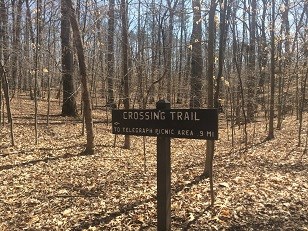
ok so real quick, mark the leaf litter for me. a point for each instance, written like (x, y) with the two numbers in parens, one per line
(51, 186)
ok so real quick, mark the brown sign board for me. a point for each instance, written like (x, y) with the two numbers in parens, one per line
(175, 123)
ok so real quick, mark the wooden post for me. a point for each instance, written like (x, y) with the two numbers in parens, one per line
(163, 177)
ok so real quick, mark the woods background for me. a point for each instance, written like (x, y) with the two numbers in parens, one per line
(64, 66)
(249, 56)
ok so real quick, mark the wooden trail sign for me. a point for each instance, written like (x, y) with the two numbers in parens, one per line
(175, 123)
(165, 123)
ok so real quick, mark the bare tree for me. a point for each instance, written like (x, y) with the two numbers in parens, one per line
(3, 43)
(210, 144)
(284, 60)
(237, 63)
(303, 102)
(223, 31)
(16, 16)
(1, 98)
(69, 107)
(5, 57)
(272, 80)
(182, 56)
(302, 105)
(169, 46)
(251, 81)
(5, 86)
(263, 59)
(30, 38)
(196, 57)
(87, 110)
(125, 62)
(110, 53)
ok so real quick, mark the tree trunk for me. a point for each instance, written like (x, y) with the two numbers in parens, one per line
(169, 46)
(16, 41)
(110, 54)
(272, 80)
(5, 87)
(284, 64)
(302, 105)
(4, 44)
(37, 60)
(251, 63)
(0, 96)
(263, 59)
(125, 63)
(196, 57)
(181, 70)
(69, 106)
(210, 144)
(142, 82)
(87, 110)
(3, 31)
(29, 46)
(223, 30)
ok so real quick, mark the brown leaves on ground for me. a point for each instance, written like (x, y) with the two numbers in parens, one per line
(51, 186)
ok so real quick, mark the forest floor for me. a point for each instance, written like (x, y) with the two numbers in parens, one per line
(52, 186)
